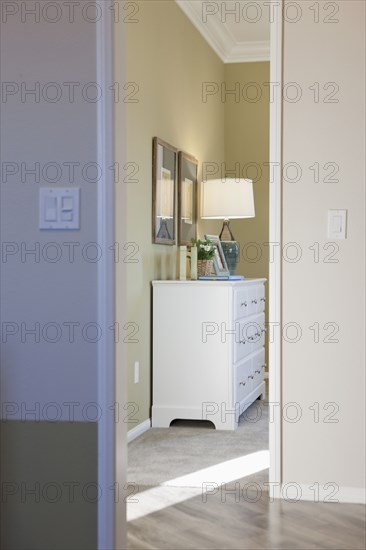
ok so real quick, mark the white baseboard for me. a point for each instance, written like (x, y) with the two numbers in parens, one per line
(322, 493)
(138, 430)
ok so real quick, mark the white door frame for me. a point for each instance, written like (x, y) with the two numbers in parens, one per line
(112, 438)
(275, 264)
(105, 221)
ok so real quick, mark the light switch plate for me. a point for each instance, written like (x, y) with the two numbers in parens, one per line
(337, 224)
(59, 208)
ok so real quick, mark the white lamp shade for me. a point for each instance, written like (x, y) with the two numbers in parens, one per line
(228, 198)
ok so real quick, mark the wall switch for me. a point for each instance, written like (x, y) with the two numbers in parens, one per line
(50, 209)
(59, 207)
(136, 372)
(337, 224)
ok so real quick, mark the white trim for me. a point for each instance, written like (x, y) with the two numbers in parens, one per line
(214, 37)
(106, 293)
(342, 495)
(138, 430)
(275, 236)
(218, 36)
(248, 52)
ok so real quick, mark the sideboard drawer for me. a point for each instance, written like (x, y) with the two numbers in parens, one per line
(258, 367)
(261, 298)
(249, 337)
(242, 380)
(248, 301)
(245, 301)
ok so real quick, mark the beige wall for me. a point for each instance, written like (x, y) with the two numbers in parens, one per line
(247, 151)
(247, 143)
(170, 69)
(325, 292)
(168, 59)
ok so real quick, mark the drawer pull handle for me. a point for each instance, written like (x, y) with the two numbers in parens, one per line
(251, 376)
(242, 341)
(258, 371)
(263, 330)
(254, 302)
(251, 338)
(244, 304)
(263, 299)
(242, 383)
(263, 366)
(257, 334)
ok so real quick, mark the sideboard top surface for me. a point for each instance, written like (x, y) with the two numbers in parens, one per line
(209, 283)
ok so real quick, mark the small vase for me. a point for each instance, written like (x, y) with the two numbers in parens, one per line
(231, 252)
(204, 267)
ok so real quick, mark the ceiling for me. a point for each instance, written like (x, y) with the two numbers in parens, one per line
(238, 31)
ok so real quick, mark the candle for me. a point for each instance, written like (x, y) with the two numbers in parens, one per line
(193, 263)
(182, 263)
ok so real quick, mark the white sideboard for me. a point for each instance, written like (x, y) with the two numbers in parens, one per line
(208, 350)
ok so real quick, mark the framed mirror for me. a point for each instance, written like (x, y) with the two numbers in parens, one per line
(164, 192)
(187, 198)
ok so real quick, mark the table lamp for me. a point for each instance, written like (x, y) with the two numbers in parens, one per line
(227, 199)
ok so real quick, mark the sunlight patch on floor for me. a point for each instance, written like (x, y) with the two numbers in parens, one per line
(225, 471)
(197, 483)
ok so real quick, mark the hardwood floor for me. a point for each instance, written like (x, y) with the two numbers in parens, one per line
(168, 516)
(225, 521)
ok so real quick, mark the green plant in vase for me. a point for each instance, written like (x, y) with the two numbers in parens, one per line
(205, 255)
(205, 249)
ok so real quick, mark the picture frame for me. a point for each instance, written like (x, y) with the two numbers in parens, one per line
(187, 198)
(164, 191)
(220, 265)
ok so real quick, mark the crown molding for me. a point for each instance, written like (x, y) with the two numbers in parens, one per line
(221, 40)
(210, 32)
(246, 52)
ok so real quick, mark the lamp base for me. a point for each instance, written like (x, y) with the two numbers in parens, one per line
(231, 251)
(226, 234)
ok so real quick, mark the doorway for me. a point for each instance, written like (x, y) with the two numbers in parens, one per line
(161, 264)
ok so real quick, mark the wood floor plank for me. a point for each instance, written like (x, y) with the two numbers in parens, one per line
(231, 525)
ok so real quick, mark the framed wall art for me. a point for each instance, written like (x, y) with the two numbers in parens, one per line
(187, 198)
(164, 178)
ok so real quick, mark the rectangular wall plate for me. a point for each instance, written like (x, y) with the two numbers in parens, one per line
(59, 208)
(337, 224)
(136, 374)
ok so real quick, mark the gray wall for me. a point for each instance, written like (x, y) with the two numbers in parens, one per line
(35, 371)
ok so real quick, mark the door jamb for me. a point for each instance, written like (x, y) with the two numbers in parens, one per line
(112, 437)
(275, 263)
